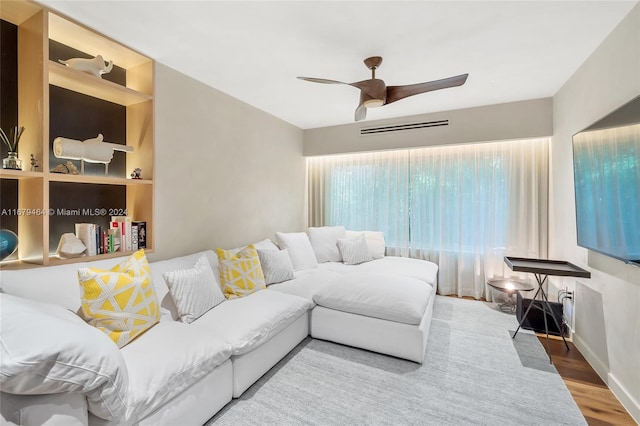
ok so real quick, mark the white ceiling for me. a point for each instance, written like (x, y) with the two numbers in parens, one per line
(512, 50)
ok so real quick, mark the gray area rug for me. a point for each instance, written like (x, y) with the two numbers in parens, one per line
(473, 374)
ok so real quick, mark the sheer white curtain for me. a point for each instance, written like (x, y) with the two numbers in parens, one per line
(367, 191)
(472, 205)
(463, 207)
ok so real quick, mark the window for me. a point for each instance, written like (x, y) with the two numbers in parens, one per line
(475, 199)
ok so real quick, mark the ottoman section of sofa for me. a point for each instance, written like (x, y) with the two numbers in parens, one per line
(385, 313)
(261, 329)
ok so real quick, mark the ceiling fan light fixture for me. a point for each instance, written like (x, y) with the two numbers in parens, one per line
(373, 103)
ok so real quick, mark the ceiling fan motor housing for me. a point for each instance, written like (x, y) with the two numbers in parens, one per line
(374, 93)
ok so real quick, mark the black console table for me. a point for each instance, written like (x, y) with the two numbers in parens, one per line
(542, 268)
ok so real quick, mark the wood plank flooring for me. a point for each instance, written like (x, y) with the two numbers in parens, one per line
(596, 402)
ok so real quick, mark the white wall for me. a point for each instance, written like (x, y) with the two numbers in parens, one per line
(607, 306)
(514, 120)
(226, 173)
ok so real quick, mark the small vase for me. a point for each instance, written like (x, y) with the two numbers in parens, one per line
(12, 161)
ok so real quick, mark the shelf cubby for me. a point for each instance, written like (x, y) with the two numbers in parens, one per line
(62, 76)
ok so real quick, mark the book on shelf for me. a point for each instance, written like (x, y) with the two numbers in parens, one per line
(134, 237)
(113, 238)
(96, 239)
(86, 232)
(104, 241)
(124, 224)
(141, 228)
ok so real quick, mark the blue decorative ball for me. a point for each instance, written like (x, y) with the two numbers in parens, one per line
(8, 243)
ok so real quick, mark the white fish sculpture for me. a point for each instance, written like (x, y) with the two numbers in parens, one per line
(91, 150)
(95, 66)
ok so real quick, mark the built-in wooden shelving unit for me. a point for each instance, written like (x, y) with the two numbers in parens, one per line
(38, 75)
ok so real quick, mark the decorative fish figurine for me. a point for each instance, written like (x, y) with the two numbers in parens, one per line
(95, 66)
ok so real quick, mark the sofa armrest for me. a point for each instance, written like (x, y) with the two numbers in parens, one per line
(64, 409)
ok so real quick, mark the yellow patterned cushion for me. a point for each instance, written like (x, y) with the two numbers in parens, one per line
(121, 301)
(240, 273)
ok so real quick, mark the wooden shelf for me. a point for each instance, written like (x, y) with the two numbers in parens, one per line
(14, 264)
(97, 180)
(55, 260)
(18, 174)
(87, 84)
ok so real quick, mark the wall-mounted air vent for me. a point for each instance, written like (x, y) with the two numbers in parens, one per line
(399, 127)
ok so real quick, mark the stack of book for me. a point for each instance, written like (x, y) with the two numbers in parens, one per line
(123, 234)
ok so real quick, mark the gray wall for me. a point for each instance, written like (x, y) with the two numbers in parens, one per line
(514, 120)
(227, 174)
(607, 306)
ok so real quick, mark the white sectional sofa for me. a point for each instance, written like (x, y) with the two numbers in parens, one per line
(57, 369)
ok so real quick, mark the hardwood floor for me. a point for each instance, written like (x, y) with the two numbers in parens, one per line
(596, 402)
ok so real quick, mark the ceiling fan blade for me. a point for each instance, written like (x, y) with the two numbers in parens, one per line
(361, 113)
(395, 93)
(321, 80)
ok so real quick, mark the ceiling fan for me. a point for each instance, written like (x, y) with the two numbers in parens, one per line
(375, 93)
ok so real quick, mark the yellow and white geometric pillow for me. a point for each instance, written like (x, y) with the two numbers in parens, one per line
(121, 301)
(240, 273)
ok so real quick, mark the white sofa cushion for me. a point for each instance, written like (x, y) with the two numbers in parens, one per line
(354, 251)
(324, 241)
(306, 283)
(248, 322)
(404, 266)
(385, 296)
(167, 360)
(46, 349)
(415, 268)
(299, 248)
(194, 290)
(57, 285)
(276, 265)
(375, 241)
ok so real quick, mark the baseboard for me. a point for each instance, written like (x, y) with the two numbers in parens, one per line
(627, 401)
(598, 366)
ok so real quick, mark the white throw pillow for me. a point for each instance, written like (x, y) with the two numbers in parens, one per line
(194, 290)
(265, 244)
(324, 242)
(375, 241)
(46, 349)
(354, 250)
(300, 250)
(276, 265)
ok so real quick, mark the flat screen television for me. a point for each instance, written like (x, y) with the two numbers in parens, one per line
(606, 164)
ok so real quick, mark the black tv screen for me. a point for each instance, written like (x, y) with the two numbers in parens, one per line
(606, 160)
